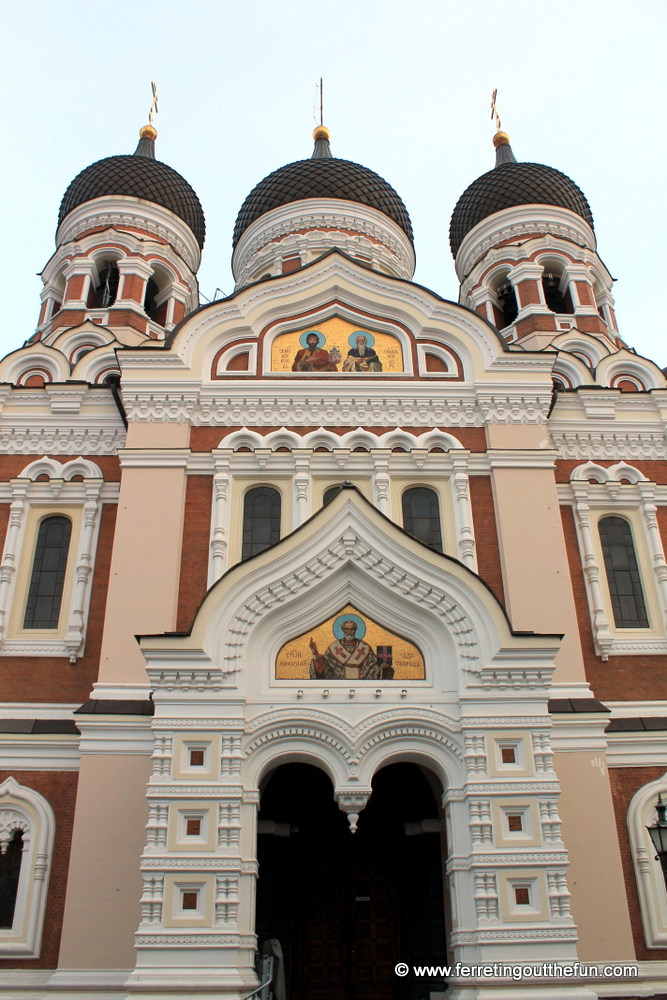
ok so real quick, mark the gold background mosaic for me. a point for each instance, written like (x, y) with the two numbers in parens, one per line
(293, 660)
(337, 331)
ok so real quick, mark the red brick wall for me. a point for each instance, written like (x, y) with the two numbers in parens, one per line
(194, 560)
(486, 534)
(134, 287)
(59, 789)
(625, 781)
(620, 678)
(208, 438)
(53, 678)
(527, 292)
(74, 287)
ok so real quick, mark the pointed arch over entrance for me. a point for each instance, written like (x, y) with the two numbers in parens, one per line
(346, 908)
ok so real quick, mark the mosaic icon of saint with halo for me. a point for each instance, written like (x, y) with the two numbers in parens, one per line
(314, 357)
(348, 657)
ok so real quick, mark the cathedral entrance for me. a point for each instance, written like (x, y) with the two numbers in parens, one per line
(346, 908)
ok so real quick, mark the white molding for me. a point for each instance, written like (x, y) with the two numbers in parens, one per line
(105, 691)
(637, 748)
(636, 709)
(25, 808)
(39, 752)
(116, 734)
(325, 221)
(576, 731)
(521, 220)
(582, 442)
(413, 404)
(114, 211)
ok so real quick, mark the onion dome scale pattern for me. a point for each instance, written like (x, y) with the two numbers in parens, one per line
(510, 184)
(137, 176)
(327, 177)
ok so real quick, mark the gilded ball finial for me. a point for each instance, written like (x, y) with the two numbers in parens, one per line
(501, 139)
(321, 132)
(148, 132)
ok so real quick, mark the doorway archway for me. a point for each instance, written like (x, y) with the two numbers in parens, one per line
(347, 908)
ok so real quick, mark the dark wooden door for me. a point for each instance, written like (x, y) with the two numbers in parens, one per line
(347, 908)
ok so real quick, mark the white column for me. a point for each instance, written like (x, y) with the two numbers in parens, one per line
(381, 481)
(84, 565)
(656, 551)
(465, 534)
(603, 637)
(301, 485)
(8, 565)
(220, 516)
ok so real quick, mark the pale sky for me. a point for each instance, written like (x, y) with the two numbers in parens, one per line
(581, 87)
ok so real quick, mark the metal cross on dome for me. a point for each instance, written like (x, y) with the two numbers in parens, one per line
(494, 109)
(154, 106)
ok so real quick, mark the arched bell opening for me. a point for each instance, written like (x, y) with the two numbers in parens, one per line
(347, 907)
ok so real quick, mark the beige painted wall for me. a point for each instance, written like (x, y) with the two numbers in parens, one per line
(595, 875)
(104, 886)
(536, 574)
(145, 568)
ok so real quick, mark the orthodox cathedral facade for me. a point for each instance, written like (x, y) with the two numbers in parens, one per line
(332, 613)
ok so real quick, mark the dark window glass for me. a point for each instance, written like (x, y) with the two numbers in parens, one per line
(330, 494)
(48, 573)
(421, 516)
(10, 870)
(625, 587)
(107, 290)
(558, 302)
(508, 304)
(152, 291)
(261, 520)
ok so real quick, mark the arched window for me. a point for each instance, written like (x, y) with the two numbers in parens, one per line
(48, 573)
(105, 294)
(330, 494)
(261, 520)
(421, 516)
(10, 872)
(26, 845)
(625, 586)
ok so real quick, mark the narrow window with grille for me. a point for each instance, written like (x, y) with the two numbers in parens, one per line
(421, 516)
(48, 574)
(625, 586)
(261, 520)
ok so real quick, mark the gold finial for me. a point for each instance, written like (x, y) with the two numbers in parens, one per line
(501, 139)
(321, 132)
(148, 132)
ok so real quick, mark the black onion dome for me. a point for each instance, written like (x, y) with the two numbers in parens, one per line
(137, 176)
(510, 184)
(322, 178)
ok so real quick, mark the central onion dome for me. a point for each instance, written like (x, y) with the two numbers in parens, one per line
(322, 176)
(511, 184)
(138, 175)
(308, 207)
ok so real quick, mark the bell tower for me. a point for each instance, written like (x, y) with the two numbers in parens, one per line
(128, 246)
(525, 251)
